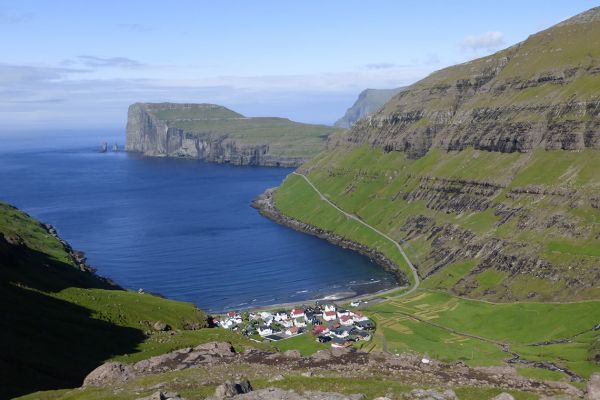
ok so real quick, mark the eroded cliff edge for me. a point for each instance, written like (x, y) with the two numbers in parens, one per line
(216, 134)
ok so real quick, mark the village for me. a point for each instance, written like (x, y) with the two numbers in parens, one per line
(327, 323)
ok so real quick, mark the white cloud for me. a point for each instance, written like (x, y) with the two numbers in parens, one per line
(485, 41)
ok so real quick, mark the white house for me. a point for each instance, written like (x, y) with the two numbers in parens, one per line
(328, 307)
(340, 333)
(268, 321)
(297, 312)
(358, 317)
(346, 320)
(299, 322)
(342, 313)
(264, 330)
(281, 316)
(355, 303)
(329, 316)
(265, 314)
(287, 323)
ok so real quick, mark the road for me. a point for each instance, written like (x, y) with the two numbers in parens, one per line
(357, 219)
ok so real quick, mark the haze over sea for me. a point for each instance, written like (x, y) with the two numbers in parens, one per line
(181, 228)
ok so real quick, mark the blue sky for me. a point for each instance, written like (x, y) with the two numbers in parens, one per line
(74, 64)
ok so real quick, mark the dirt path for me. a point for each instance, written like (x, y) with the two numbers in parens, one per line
(415, 274)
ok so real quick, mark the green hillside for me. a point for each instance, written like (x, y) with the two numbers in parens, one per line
(487, 171)
(58, 322)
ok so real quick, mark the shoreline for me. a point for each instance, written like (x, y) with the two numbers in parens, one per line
(265, 205)
(323, 300)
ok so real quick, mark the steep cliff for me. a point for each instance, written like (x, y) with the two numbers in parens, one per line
(217, 134)
(487, 171)
(369, 101)
(541, 93)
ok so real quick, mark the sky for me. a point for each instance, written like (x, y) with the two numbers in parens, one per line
(79, 64)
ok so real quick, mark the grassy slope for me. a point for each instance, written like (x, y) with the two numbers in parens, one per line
(285, 138)
(371, 184)
(367, 182)
(58, 323)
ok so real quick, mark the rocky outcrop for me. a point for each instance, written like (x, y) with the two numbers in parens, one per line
(212, 133)
(369, 101)
(204, 354)
(266, 206)
(345, 363)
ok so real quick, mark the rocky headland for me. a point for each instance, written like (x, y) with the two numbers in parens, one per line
(216, 134)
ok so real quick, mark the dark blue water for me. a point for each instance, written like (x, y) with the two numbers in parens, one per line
(182, 228)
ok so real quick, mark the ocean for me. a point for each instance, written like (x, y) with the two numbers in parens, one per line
(182, 228)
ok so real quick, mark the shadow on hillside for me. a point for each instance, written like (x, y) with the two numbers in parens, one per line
(45, 342)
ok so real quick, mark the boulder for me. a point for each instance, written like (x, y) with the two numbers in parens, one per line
(160, 326)
(503, 396)
(292, 354)
(593, 387)
(431, 394)
(221, 349)
(321, 355)
(230, 389)
(108, 373)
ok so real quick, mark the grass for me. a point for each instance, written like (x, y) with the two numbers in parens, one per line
(59, 323)
(306, 344)
(447, 328)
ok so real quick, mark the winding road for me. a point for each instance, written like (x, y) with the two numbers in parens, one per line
(357, 219)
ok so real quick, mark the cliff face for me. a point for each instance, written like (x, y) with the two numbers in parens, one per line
(541, 93)
(216, 134)
(487, 171)
(369, 101)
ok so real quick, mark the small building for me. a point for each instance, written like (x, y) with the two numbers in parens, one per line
(368, 324)
(281, 316)
(340, 333)
(346, 320)
(320, 330)
(342, 313)
(297, 313)
(232, 314)
(329, 316)
(299, 322)
(294, 330)
(323, 339)
(287, 323)
(265, 315)
(358, 317)
(355, 303)
(264, 330)
(363, 335)
(328, 308)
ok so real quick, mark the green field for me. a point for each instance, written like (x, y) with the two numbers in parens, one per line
(453, 329)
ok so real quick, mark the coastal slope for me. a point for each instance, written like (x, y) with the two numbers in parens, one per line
(368, 102)
(216, 134)
(485, 171)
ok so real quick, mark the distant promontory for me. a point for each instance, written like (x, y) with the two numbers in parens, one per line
(217, 134)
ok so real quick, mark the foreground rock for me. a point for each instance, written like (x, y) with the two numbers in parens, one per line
(230, 389)
(593, 387)
(279, 394)
(343, 363)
